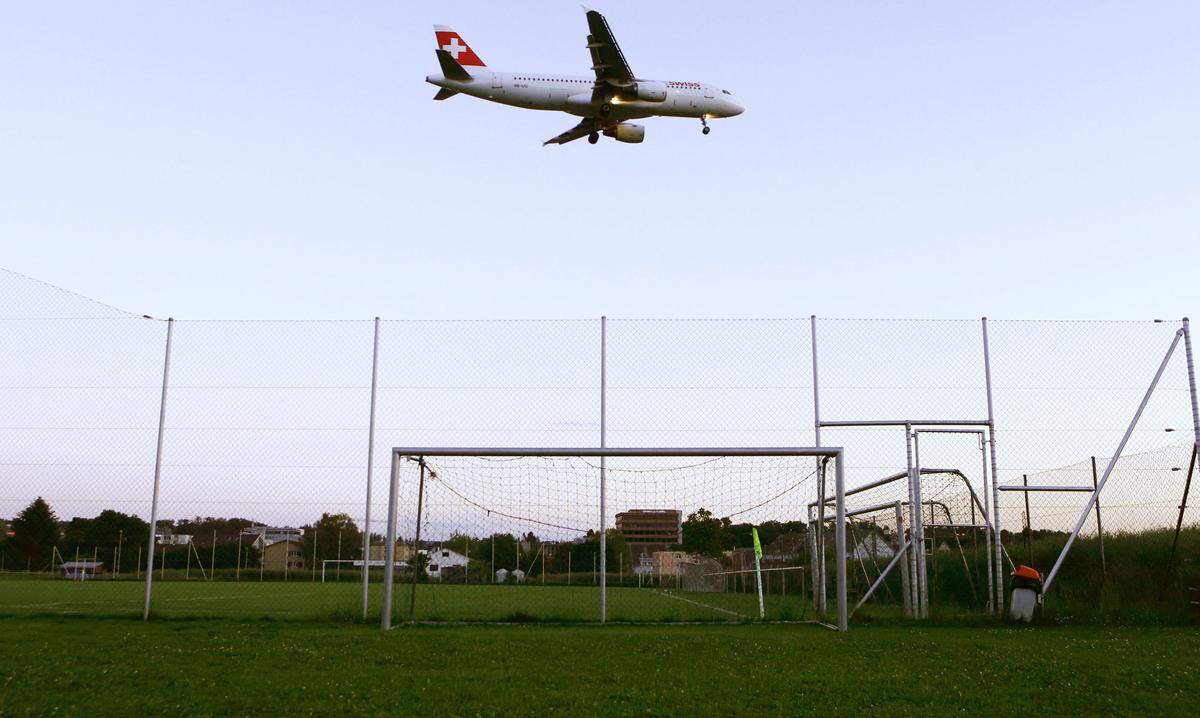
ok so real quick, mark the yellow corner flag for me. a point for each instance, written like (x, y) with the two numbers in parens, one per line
(757, 545)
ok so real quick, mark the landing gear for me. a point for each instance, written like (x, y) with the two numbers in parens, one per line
(605, 109)
(593, 138)
(704, 121)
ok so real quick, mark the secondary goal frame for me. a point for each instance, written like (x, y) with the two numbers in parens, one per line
(399, 454)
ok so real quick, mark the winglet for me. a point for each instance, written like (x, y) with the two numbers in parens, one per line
(450, 67)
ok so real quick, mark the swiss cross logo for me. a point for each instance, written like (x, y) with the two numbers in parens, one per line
(454, 48)
(453, 43)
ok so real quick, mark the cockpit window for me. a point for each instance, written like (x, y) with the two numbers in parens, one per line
(727, 92)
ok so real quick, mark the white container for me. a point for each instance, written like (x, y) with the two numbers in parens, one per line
(1023, 602)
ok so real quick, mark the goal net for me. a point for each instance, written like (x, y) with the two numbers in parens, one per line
(886, 575)
(594, 535)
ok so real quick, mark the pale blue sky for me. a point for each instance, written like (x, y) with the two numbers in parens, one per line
(938, 159)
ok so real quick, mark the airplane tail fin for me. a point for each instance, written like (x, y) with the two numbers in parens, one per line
(445, 94)
(450, 67)
(456, 47)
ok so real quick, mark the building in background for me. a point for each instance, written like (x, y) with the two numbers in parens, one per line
(663, 527)
(441, 559)
(379, 552)
(647, 533)
(283, 555)
(267, 535)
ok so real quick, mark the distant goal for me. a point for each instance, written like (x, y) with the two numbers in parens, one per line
(602, 534)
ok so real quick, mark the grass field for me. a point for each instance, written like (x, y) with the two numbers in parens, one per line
(342, 601)
(72, 665)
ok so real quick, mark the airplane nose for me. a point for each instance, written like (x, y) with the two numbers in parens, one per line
(735, 109)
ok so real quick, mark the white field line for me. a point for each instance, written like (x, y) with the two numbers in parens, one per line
(183, 598)
(668, 594)
(241, 596)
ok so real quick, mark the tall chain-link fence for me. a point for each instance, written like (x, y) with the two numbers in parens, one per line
(263, 505)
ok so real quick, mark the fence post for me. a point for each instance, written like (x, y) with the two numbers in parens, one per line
(839, 539)
(1191, 371)
(1187, 487)
(1028, 525)
(913, 521)
(1099, 525)
(987, 534)
(905, 589)
(919, 528)
(389, 550)
(819, 578)
(366, 569)
(162, 414)
(998, 532)
(603, 477)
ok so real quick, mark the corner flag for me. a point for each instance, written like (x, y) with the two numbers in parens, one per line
(762, 613)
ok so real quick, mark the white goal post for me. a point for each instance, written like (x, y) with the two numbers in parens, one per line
(400, 455)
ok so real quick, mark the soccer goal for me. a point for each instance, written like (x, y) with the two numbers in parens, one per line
(601, 534)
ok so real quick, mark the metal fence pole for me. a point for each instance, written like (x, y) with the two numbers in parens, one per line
(162, 415)
(389, 549)
(812, 556)
(1191, 371)
(987, 535)
(997, 532)
(919, 529)
(366, 569)
(603, 477)
(913, 521)
(819, 579)
(840, 540)
(1112, 462)
(905, 589)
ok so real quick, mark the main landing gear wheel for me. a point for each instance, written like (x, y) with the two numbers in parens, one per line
(594, 138)
(704, 121)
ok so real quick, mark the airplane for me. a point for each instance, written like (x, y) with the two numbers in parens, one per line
(605, 103)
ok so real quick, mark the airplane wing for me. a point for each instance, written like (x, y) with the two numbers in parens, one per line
(607, 59)
(586, 127)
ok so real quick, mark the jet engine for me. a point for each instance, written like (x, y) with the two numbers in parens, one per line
(626, 132)
(645, 91)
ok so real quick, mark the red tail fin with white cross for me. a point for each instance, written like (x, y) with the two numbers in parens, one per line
(452, 42)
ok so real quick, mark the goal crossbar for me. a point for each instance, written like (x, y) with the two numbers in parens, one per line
(830, 451)
(418, 453)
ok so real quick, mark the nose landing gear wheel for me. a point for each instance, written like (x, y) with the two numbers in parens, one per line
(593, 138)
(706, 130)
(704, 121)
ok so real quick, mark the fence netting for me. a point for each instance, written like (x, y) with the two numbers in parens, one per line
(264, 511)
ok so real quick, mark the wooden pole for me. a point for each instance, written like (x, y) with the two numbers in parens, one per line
(1028, 529)
(1187, 486)
(1099, 527)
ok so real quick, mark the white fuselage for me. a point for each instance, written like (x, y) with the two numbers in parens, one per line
(574, 95)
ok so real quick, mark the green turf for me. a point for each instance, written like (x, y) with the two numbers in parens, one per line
(308, 600)
(72, 665)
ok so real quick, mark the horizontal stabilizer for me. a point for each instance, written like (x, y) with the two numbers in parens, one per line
(450, 67)
(445, 94)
